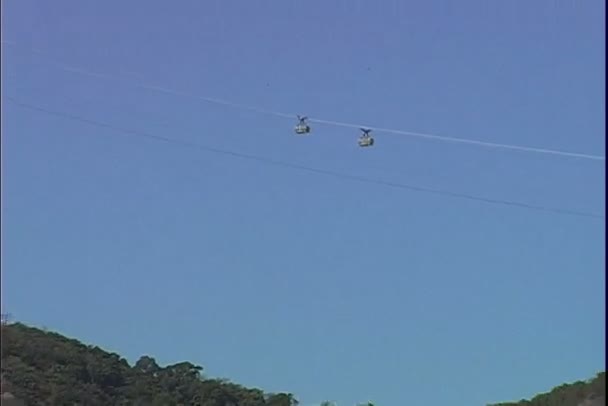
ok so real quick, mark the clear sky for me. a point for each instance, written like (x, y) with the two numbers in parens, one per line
(292, 281)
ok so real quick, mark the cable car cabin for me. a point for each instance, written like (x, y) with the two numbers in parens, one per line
(366, 141)
(302, 129)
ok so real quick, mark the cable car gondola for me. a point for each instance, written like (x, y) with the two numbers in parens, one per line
(302, 128)
(366, 140)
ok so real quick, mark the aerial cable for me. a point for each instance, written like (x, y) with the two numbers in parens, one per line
(285, 164)
(464, 140)
(81, 71)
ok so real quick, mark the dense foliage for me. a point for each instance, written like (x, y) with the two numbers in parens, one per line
(590, 393)
(48, 369)
(43, 368)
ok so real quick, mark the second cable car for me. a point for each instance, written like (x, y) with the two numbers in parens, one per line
(366, 140)
(302, 128)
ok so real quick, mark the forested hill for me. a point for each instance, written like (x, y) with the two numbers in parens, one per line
(44, 368)
(590, 393)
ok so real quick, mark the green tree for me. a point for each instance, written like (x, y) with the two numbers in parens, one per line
(282, 399)
(146, 365)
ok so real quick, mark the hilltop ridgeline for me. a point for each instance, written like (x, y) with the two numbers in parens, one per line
(589, 393)
(47, 369)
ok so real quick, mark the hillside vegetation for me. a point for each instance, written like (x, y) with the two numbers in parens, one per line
(590, 393)
(45, 368)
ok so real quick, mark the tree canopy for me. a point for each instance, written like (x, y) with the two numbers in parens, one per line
(43, 368)
(589, 393)
(47, 369)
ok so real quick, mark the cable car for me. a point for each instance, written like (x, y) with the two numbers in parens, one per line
(366, 140)
(302, 128)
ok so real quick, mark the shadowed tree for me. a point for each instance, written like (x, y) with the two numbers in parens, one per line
(281, 399)
(146, 365)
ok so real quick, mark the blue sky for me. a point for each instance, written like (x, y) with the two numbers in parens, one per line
(291, 281)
